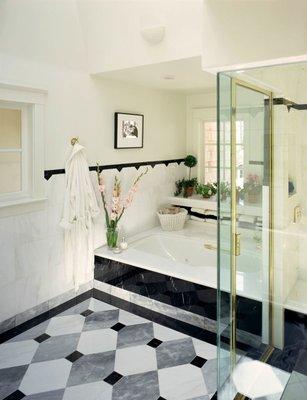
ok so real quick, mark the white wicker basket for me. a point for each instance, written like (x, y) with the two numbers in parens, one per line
(173, 222)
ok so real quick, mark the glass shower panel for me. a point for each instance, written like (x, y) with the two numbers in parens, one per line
(224, 310)
(244, 204)
(252, 115)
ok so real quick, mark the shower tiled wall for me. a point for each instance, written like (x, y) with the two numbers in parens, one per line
(32, 267)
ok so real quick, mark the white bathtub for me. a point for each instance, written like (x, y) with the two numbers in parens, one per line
(185, 251)
(185, 255)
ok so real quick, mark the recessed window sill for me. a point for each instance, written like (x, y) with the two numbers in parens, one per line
(21, 206)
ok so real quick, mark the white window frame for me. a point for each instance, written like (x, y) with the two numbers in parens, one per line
(23, 150)
(200, 117)
(31, 103)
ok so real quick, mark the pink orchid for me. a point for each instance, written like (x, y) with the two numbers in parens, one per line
(115, 210)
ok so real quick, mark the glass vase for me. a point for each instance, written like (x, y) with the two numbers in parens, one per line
(112, 237)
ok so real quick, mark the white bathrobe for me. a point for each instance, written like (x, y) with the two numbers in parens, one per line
(80, 207)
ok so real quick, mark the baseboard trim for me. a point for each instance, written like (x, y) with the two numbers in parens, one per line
(17, 330)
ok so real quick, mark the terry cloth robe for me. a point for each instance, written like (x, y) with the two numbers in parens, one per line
(80, 207)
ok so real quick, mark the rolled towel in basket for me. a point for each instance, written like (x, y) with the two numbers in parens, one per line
(171, 221)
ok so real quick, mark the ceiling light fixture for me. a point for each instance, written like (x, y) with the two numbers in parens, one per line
(153, 34)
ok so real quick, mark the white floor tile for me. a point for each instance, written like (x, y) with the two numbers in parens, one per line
(181, 383)
(46, 376)
(89, 391)
(205, 350)
(165, 334)
(135, 360)
(127, 318)
(97, 305)
(256, 379)
(17, 353)
(97, 341)
(65, 325)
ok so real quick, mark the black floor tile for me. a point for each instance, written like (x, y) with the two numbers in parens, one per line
(42, 338)
(17, 395)
(154, 343)
(113, 378)
(117, 327)
(74, 356)
(86, 313)
(198, 362)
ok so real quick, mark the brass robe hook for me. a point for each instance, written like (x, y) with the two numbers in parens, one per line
(74, 140)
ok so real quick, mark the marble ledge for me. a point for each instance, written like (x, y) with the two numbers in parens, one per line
(154, 305)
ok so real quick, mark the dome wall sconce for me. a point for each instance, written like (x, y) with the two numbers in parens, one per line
(154, 34)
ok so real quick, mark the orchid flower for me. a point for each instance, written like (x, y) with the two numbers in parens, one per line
(115, 211)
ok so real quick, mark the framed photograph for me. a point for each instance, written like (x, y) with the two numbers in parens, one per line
(129, 131)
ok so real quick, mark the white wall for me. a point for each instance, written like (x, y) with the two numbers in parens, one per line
(32, 269)
(45, 31)
(78, 105)
(112, 31)
(241, 32)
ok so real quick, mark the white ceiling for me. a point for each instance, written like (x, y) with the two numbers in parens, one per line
(187, 73)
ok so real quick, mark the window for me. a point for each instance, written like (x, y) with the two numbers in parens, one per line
(210, 151)
(21, 148)
(12, 157)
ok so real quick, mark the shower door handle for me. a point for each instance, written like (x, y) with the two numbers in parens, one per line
(237, 244)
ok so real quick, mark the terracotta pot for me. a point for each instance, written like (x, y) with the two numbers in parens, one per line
(188, 191)
(253, 197)
(206, 196)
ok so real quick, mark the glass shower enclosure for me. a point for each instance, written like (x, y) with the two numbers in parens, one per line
(245, 309)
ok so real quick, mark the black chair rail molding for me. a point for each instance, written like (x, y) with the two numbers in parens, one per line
(48, 173)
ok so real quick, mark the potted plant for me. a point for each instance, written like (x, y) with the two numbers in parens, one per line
(179, 187)
(253, 188)
(225, 190)
(189, 185)
(206, 190)
(115, 209)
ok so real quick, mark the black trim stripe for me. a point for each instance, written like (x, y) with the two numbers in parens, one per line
(48, 173)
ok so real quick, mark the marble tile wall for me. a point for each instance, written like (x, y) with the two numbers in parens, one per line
(32, 266)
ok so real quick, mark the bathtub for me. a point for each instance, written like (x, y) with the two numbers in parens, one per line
(189, 254)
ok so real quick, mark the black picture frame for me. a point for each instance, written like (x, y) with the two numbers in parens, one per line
(118, 140)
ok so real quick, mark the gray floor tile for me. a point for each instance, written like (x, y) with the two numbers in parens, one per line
(31, 333)
(91, 368)
(135, 335)
(10, 379)
(57, 347)
(54, 395)
(137, 387)
(101, 320)
(175, 352)
(209, 371)
(77, 309)
(98, 362)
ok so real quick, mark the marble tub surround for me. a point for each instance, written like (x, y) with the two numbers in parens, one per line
(96, 349)
(188, 301)
(189, 254)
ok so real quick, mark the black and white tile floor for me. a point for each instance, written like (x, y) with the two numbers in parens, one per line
(95, 351)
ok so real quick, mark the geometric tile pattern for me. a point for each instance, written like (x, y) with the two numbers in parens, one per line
(97, 351)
